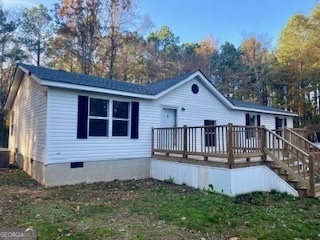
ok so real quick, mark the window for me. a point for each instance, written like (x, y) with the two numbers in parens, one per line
(210, 133)
(98, 117)
(280, 123)
(120, 118)
(252, 120)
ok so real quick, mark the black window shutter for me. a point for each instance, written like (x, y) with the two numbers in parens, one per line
(134, 120)
(258, 120)
(277, 122)
(247, 119)
(82, 117)
(285, 122)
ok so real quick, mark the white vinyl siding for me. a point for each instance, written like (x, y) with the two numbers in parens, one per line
(63, 145)
(197, 107)
(29, 124)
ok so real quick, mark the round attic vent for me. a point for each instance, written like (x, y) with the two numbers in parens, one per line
(195, 88)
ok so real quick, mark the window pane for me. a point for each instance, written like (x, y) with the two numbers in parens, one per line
(98, 127)
(119, 128)
(120, 109)
(210, 138)
(98, 107)
(252, 120)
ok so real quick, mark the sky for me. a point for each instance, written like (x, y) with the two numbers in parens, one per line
(225, 20)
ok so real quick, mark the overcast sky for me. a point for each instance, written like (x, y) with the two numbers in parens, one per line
(225, 20)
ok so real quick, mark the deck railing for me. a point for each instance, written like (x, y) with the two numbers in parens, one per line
(300, 141)
(292, 152)
(293, 159)
(225, 141)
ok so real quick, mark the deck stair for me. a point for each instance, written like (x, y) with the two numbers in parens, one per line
(287, 153)
(295, 160)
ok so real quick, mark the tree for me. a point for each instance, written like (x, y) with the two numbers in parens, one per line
(36, 28)
(94, 32)
(164, 41)
(130, 64)
(291, 55)
(226, 68)
(79, 20)
(120, 13)
(313, 55)
(162, 52)
(63, 53)
(10, 54)
(204, 53)
(188, 57)
(257, 61)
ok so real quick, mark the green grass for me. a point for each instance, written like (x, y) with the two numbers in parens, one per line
(149, 209)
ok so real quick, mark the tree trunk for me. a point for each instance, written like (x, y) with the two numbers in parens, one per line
(112, 53)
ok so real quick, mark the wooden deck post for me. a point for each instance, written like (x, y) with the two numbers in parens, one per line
(152, 141)
(185, 141)
(230, 146)
(312, 176)
(263, 142)
(286, 137)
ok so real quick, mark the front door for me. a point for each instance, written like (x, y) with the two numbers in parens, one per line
(168, 120)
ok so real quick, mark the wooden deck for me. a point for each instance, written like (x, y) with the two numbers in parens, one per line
(221, 144)
(231, 146)
(210, 161)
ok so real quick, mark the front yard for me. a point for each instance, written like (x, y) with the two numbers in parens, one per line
(149, 209)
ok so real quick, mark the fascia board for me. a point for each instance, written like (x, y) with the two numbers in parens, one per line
(14, 88)
(265, 111)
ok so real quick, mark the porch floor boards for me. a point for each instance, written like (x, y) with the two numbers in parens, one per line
(211, 161)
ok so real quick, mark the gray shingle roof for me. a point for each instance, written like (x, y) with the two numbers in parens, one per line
(62, 76)
(166, 84)
(245, 104)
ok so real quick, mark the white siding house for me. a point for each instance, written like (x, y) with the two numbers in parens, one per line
(68, 128)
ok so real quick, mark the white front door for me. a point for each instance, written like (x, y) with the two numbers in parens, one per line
(168, 120)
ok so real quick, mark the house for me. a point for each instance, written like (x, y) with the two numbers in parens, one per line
(67, 128)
